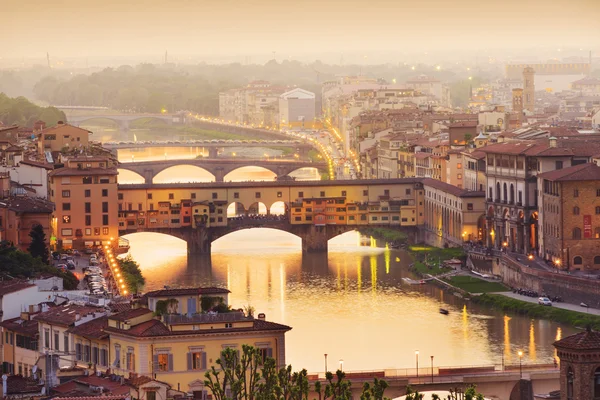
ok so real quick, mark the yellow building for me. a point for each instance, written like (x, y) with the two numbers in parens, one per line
(20, 338)
(179, 348)
(91, 343)
(186, 300)
(62, 136)
(84, 192)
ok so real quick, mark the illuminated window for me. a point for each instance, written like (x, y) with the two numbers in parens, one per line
(66, 219)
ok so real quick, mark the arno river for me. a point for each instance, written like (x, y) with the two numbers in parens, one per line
(351, 303)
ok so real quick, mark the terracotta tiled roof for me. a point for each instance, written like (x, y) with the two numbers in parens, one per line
(119, 307)
(83, 172)
(187, 291)
(588, 80)
(66, 315)
(13, 285)
(16, 384)
(129, 314)
(155, 328)
(581, 172)
(98, 397)
(23, 327)
(587, 340)
(93, 329)
(28, 204)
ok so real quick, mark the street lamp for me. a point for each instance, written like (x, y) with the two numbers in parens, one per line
(431, 369)
(417, 357)
(521, 364)
(325, 362)
(341, 364)
(557, 263)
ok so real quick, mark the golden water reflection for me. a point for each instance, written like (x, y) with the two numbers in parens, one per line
(322, 297)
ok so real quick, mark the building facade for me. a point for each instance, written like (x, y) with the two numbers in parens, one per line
(84, 192)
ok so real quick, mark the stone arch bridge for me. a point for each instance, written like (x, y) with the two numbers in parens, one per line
(125, 120)
(219, 168)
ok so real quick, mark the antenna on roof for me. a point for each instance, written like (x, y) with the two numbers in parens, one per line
(48, 59)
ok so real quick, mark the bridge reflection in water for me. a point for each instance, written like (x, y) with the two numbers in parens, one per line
(354, 294)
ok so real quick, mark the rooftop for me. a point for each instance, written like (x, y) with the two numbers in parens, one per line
(451, 189)
(586, 340)
(67, 314)
(21, 326)
(93, 329)
(66, 171)
(581, 172)
(27, 204)
(130, 314)
(13, 285)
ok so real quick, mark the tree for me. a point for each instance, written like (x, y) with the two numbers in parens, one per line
(469, 394)
(38, 248)
(247, 376)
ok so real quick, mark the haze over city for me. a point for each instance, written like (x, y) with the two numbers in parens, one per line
(230, 30)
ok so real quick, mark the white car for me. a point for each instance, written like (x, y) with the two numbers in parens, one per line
(544, 301)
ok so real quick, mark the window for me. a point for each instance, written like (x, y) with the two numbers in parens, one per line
(597, 210)
(196, 360)
(163, 362)
(214, 195)
(558, 165)
(130, 359)
(104, 357)
(322, 194)
(597, 260)
(87, 352)
(105, 207)
(88, 193)
(575, 192)
(87, 180)
(66, 219)
(576, 233)
(105, 194)
(66, 232)
(78, 352)
(88, 220)
(105, 231)
(150, 395)
(300, 194)
(236, 195)
(298, 219)
(171, 196)
(458, 176)
(95, 357)
(365, 192)
(570, 379)
(88, 207)
(279, 194)
(56, 341)
(66, 342)
(257, 195)
(66, 206)
(596, 384)
(97, 231)
(577, 260)
(575, 210)
(344, 193)
(104, 219)
(117, 362)
(470, 206)
(66, 193)
(265, 352)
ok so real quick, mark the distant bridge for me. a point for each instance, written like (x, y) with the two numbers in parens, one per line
(124, 120)
(219, 167)
(213, 145)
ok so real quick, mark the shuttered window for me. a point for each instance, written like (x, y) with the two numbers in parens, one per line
(196, 360)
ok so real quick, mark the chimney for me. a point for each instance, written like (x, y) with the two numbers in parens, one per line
(261, 316)
(60, 123)
(39, 125)
(553, 141)
(77, 316)
(24, 316)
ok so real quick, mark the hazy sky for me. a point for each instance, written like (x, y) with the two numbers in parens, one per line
(29, 28)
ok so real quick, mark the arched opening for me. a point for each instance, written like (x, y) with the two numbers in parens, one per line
(491, 196)
(306, 174)
(345, 240)
(250, 173)
(533, 232)
(577, 260)
(278, 208)
(576, 233)
(183, 174)
(597, 260)
(257, 239)
(497, 191)
(512, 194)
(258, 208)
(481, 228)
(235, 210)
(596, 384)
(570, 381)
(505, 198)
(129, 177)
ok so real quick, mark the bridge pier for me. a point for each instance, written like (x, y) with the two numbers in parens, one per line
(198, 240)
(213, 152)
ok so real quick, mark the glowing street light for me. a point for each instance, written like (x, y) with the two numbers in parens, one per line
(521, 363)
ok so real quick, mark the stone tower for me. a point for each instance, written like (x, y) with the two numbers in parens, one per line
(517, 101)
(529, 89)
(579, 366)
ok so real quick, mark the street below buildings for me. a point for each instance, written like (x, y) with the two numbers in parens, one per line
(562, 305)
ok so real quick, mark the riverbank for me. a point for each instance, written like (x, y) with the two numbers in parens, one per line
(568, 317)
(385, 234)
(474, 285)
(429, 260)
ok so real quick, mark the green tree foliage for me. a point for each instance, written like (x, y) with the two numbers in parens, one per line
(469, 394)
(38, 247)
(131, 273)
(460, 90)
(18, 264)
(247, 376)
(21, 111)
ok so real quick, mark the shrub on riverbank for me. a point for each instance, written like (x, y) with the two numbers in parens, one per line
(475, 285)
(131, 274)
(387, 234)
(568, 317)
(426, 258)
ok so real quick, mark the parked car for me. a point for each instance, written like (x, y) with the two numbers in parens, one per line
(62, 267)
(544, 301)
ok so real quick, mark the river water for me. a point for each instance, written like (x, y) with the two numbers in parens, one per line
(350, 303)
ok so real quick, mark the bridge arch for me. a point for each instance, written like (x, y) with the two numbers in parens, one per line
(234, 175)
(183, 173)
(307, 173)
(278, 208)
(235, 209)
(258, 208)
(127, 176)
